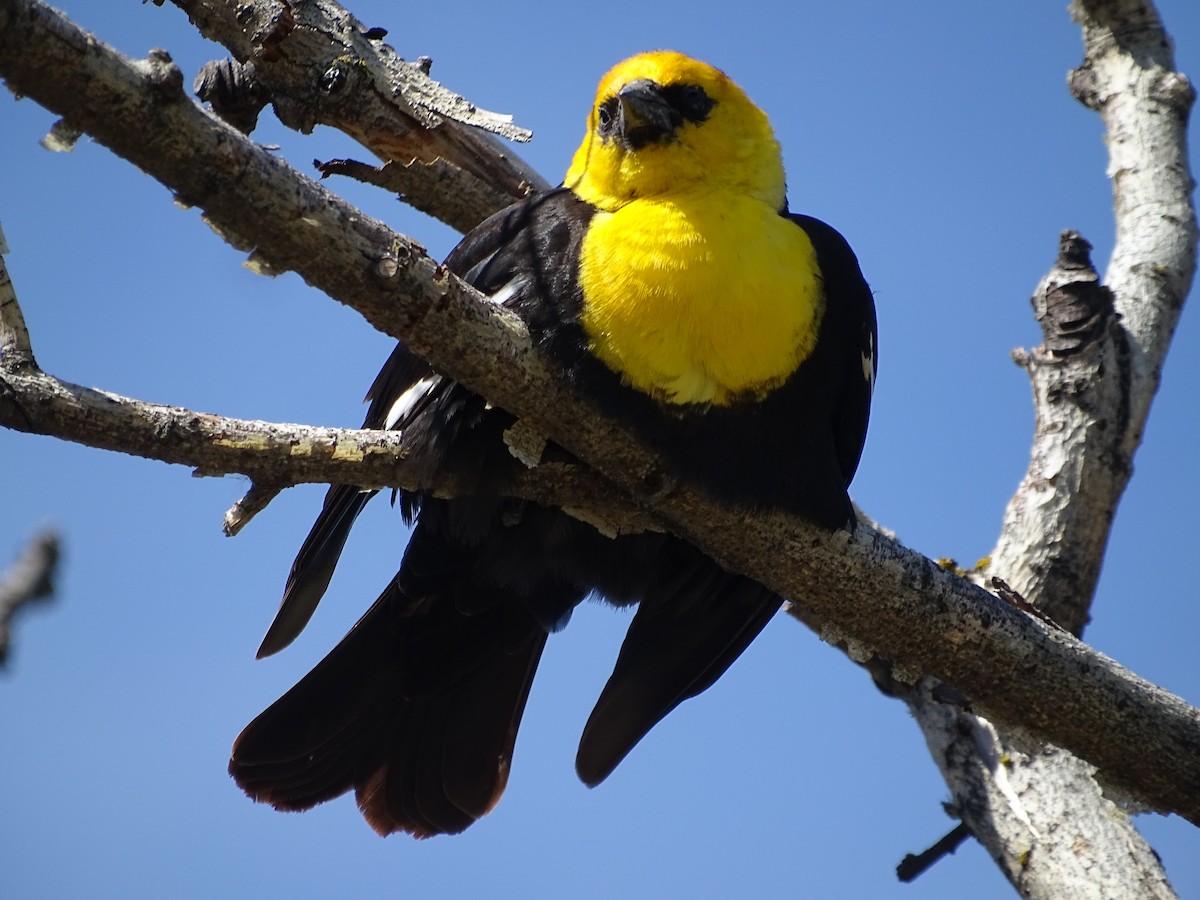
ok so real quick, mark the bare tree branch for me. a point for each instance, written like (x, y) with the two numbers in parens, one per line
(434, 188)
(34, 402)
(1038, 810)
(870, 593)
(276, 453)
(28, 580)
(320, 66)
(31, 577)
(15, 348)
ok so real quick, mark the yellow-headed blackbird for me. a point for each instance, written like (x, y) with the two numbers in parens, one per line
(670, 283)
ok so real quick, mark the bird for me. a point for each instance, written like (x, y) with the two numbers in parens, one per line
(667, 280)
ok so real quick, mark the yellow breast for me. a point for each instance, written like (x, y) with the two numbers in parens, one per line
(700, 299)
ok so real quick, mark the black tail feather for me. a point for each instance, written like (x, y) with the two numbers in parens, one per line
(686, 633)
(423, 735)
(314, 565)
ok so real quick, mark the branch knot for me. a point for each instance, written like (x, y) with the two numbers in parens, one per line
(1072, 306)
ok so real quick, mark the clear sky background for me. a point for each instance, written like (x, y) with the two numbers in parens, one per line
(939, 138)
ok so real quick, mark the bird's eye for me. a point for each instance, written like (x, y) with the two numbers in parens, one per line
(606, 116)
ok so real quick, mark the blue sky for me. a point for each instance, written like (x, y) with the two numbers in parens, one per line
(939, 138)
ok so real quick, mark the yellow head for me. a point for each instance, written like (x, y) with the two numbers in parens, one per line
(664, 123)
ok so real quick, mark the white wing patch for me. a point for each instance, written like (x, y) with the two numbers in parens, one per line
(408, 401)
(506, 293)
(411, 398)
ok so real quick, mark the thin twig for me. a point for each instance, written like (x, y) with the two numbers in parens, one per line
(1008, 595)
(912, 866)
(252, 503)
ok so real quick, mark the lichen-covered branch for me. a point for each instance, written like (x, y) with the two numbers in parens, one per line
(318, 65)
(1038, 809)
(870, 593)
(273, 453)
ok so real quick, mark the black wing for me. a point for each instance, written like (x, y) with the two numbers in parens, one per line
(494, 258)
(851, 331)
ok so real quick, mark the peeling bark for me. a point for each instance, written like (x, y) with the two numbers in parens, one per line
(318, 65)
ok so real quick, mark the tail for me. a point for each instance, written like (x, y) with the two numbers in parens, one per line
(402, 391)
(417, 708)
(690, 627)
(314, 565)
